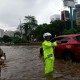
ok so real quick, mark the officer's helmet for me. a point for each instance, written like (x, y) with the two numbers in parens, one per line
(46, 34)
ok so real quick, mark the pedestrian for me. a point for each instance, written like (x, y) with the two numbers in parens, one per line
(48, 52)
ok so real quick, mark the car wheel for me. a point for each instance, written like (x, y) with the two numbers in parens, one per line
(67, 56)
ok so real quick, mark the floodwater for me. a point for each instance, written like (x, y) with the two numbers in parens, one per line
(24, 63)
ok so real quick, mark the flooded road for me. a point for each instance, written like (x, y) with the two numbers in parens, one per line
(24, 63)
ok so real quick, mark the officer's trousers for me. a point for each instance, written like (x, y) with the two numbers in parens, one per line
(49, 65)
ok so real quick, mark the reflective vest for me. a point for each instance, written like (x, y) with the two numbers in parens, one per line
(48, 49)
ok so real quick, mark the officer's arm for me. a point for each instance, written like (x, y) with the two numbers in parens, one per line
(54, 43)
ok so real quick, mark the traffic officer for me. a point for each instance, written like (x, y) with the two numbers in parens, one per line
(48, 51)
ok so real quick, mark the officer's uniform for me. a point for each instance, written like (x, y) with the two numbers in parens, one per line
(48, 55)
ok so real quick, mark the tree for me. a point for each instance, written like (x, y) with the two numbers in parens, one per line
(30, 24)
(6, 39)
(17, 34)
(57, 27)
(70, 31)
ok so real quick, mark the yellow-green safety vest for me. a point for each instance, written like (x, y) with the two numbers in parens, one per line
(48, 49)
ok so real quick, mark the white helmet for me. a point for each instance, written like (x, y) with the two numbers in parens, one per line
(46, 34)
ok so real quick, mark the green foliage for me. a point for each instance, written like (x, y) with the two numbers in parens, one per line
(78, 29)
(57, 27)
(0, 39)
(19, 40)
(16, 40)
(70, 31)
(17, 34)
(38, 32)
(23, 40)
(30, 24)
(6, 39)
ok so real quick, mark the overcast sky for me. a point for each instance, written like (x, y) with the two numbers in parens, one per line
(12, 11)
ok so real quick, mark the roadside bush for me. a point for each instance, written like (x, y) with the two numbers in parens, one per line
(23, 40)
(70, 31)
(19, 40)
(16, 40)
(6, 39)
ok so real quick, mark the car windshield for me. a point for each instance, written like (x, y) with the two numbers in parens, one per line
(62, 39)
(77, 38)
(65, 40)
(56, 39)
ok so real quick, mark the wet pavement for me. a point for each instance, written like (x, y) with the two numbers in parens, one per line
(24, 63)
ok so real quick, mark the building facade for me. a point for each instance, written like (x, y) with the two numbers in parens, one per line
(55, 17)
(74, 14)
(65, 15)
(77, 14)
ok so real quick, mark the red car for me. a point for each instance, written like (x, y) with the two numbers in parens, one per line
(69, 48)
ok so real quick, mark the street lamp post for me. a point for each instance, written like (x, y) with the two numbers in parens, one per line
(70, 4)
(20, 28)
(71, 18)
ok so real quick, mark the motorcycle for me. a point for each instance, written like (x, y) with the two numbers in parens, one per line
(2, 57)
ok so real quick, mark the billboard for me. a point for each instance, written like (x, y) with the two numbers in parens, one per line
(69, 3)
